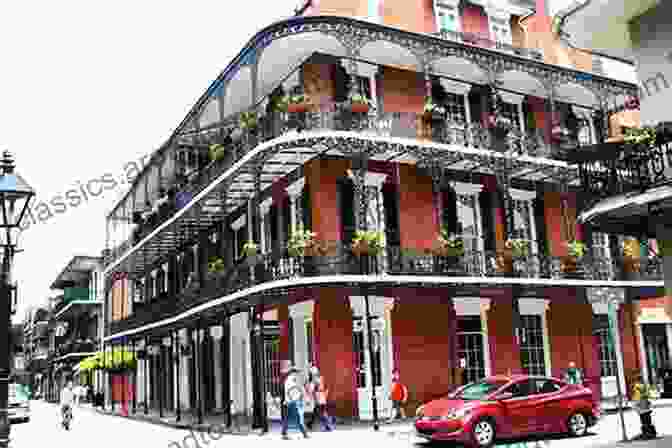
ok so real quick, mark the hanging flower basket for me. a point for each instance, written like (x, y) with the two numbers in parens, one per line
(432, 111)
(294, 103)
(248, 120)
(216, 266)
(217, 152)
(448, 245)
(576, 249)
(359, 104)
(519, 248)
(299, 242)
(368, 242)
(645, 136)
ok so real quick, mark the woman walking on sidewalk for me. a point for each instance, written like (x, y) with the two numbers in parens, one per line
(294, 395)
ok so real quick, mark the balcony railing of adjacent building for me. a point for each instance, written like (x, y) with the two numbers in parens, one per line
(72, 294)
(486, 42)
(392, 261)
(198, 170)
(76, 346)
(620, 168)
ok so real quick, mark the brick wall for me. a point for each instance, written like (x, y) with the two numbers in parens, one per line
(318, 84)
(410, 15)
(333, 327)
(539, 34)
(321, 178)
(418, 229)
(421, 320)
(629, 342)
(504, 350)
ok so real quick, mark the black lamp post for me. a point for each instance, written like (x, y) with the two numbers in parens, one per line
(15, 195)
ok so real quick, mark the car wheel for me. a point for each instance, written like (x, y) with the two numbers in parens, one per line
(577, 425)
(483, 433)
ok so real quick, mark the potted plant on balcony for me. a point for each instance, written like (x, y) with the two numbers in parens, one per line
(359, 103)
(575, 252)
(295, 103)
(644, 136)
(248, 121)
(519, 248)
(433, 111)
(368, 242)
(216, 265)
(250, 251)
(300, 243)
(217, 152)
(448, 245)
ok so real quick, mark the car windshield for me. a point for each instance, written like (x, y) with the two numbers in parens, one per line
(479, 390)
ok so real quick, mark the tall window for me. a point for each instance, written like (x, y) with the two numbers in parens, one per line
(360, 350)
(607, 351)
(309, 338)
(602, 254)
(454, 105)
(532, 345)
(522, 220)
(470, 347)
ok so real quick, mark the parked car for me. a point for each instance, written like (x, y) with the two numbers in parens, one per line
(19, 404)
(502, 407)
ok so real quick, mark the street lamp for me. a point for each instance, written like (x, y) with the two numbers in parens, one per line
(15, 195)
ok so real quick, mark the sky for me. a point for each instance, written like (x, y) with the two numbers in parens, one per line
(86, 87)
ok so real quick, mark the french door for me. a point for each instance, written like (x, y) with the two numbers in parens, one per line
(380, 378)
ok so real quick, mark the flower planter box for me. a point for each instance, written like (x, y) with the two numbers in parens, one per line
(360, 108)
(294, 108)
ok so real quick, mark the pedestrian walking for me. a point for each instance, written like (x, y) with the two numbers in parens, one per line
(641, 396)
(311, 396)
(398, 395)
(319, 393)
(294, 397)
(573, 374)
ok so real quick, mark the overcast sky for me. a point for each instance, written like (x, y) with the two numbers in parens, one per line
(87, 86)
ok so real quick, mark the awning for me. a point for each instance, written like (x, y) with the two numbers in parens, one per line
(630, 200)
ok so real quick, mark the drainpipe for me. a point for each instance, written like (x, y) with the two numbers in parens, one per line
(561, 17)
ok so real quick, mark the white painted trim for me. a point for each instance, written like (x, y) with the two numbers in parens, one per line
(295, 189)
(292, 136)
(373, 279)
(470, 306)
(511, 98)
(265, 206)
(464, 188)
(216, 332)
(302, 309)
(377, 305)
(522, 195)
(619, 359)
(486, 337)
(239, 223)
(371, 179)
(455, 87)
(531, 306)
(367, 70)
(642, 353)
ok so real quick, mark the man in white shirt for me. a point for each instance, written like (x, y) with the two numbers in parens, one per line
(67, 398)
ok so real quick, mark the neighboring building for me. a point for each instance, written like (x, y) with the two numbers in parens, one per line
(77, 320)
(629, 182)
(212, 324)
(18, 368)
(36, 330)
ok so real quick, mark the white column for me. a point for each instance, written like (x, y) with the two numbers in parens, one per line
(476, 306)
(264, 209)
(236, 226)
(538, 307)
(217, 332)
(300, 313)
(294, 191)
(241, 367)
(184, 369)
(642, 353)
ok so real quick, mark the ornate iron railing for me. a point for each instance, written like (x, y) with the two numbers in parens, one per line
(394, 261)
(482, 41)
(384, 124)
(622, 168)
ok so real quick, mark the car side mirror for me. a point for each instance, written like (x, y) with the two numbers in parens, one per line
(503, 396)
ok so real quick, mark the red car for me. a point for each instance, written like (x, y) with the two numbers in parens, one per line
(502, 407)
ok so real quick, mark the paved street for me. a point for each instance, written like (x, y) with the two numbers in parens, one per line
(104, 431)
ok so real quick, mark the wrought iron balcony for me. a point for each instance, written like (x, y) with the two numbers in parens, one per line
(617, 168)
(416, 126)
(481, 41)
(393, 261)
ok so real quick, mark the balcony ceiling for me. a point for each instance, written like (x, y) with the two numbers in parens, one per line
(76, 271)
